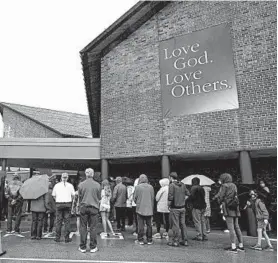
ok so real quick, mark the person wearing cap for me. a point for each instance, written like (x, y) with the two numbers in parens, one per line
(15, 202)
(144, 199)
(63, 193)
(177, 196)
(119, 200)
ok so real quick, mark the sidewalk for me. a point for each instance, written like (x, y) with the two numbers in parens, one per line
(125, 250)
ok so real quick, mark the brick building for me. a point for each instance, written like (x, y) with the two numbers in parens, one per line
(122, 74)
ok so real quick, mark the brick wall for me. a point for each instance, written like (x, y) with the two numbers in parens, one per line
(18, 126)
(131, 117)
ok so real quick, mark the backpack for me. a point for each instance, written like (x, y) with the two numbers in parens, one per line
(233, 203)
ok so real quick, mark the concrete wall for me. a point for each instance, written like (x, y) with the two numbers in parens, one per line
(18, 126)
(131, 117)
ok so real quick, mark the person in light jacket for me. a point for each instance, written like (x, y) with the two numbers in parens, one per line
(162, 209)
(144, 199)
(38, 209)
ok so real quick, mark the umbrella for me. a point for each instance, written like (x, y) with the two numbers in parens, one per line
(35, 187)
(203, 179)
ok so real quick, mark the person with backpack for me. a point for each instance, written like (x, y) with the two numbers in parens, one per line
(177, 196)
(15, 202)
(262, 217)
(228, 198)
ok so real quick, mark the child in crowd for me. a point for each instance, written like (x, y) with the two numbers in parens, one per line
(262, 217)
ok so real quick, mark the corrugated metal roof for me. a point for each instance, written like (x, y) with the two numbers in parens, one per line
(65, 123)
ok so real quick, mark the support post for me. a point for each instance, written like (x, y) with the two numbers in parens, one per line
(4, 164)
(165, 166)
(245, 167)
(104, 169)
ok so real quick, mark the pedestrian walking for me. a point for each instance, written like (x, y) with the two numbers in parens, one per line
(144, 199)
(106, 195)
(135, 233)
(15, 202)
(89, 192)
(162, 209)
(197, 198)
(38, 209)
(119, 200)
(129, 201)
(208, 208)
(228, 199)
(177, 196)
(63, 193)
(50, 210)
(262, 217)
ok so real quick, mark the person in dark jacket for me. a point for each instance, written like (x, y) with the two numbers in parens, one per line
(177, 196)
(15, 202)
(228, 194)
(144, 199)
(197, 198)
(38, 209)
(119, 200)
(50, 210)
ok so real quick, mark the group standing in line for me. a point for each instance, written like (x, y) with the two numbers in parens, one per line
(138, 202)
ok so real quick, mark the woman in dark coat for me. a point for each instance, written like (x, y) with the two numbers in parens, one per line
(228, 194)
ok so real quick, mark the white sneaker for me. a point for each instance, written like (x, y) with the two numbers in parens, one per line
(94, 250)
(165, 235)
(226, 231)
(82, 250)
(135, 234)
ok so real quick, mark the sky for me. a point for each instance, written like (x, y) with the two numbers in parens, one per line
(40, 42)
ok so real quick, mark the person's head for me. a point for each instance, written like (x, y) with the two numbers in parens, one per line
(89, 173)
(143, 179)
(118, 180)
(64, 177)
(225, 178)
(173, 176)
(164, 182)
(105, 183)
(262, 184)
(16, 177)
(253, 194)
(195, 181)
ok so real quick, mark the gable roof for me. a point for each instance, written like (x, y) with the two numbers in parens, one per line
(67, 124)
(106, 41)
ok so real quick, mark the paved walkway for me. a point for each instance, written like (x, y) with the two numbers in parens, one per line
(22, 249)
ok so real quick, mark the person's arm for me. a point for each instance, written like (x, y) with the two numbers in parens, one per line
(99, 193)
(115, 194)
(54, 192)
(46, 202)
(135, 196)
(170, 195)
(263, 209)
(7, 191)
(158, 195)
(221, 194)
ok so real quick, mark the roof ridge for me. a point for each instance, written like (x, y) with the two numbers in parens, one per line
(8, 103)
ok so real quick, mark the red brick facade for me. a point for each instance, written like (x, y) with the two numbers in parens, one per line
(131, 114)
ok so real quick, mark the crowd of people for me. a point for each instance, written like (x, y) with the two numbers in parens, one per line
(137, 201)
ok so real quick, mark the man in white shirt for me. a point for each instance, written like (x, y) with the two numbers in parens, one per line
(63, 193)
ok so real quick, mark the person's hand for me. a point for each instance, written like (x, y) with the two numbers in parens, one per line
(248, 203)
(266, 221)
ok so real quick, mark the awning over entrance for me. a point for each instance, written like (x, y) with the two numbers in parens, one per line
(54, 153)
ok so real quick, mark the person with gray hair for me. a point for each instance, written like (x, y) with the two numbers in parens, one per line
(63, 193)
(144, 199)
(119, 200)
(89, 192)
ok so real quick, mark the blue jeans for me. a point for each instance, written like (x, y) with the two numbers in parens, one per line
(141, 223)
(15, 210)
(37, 224)
(177, 219)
